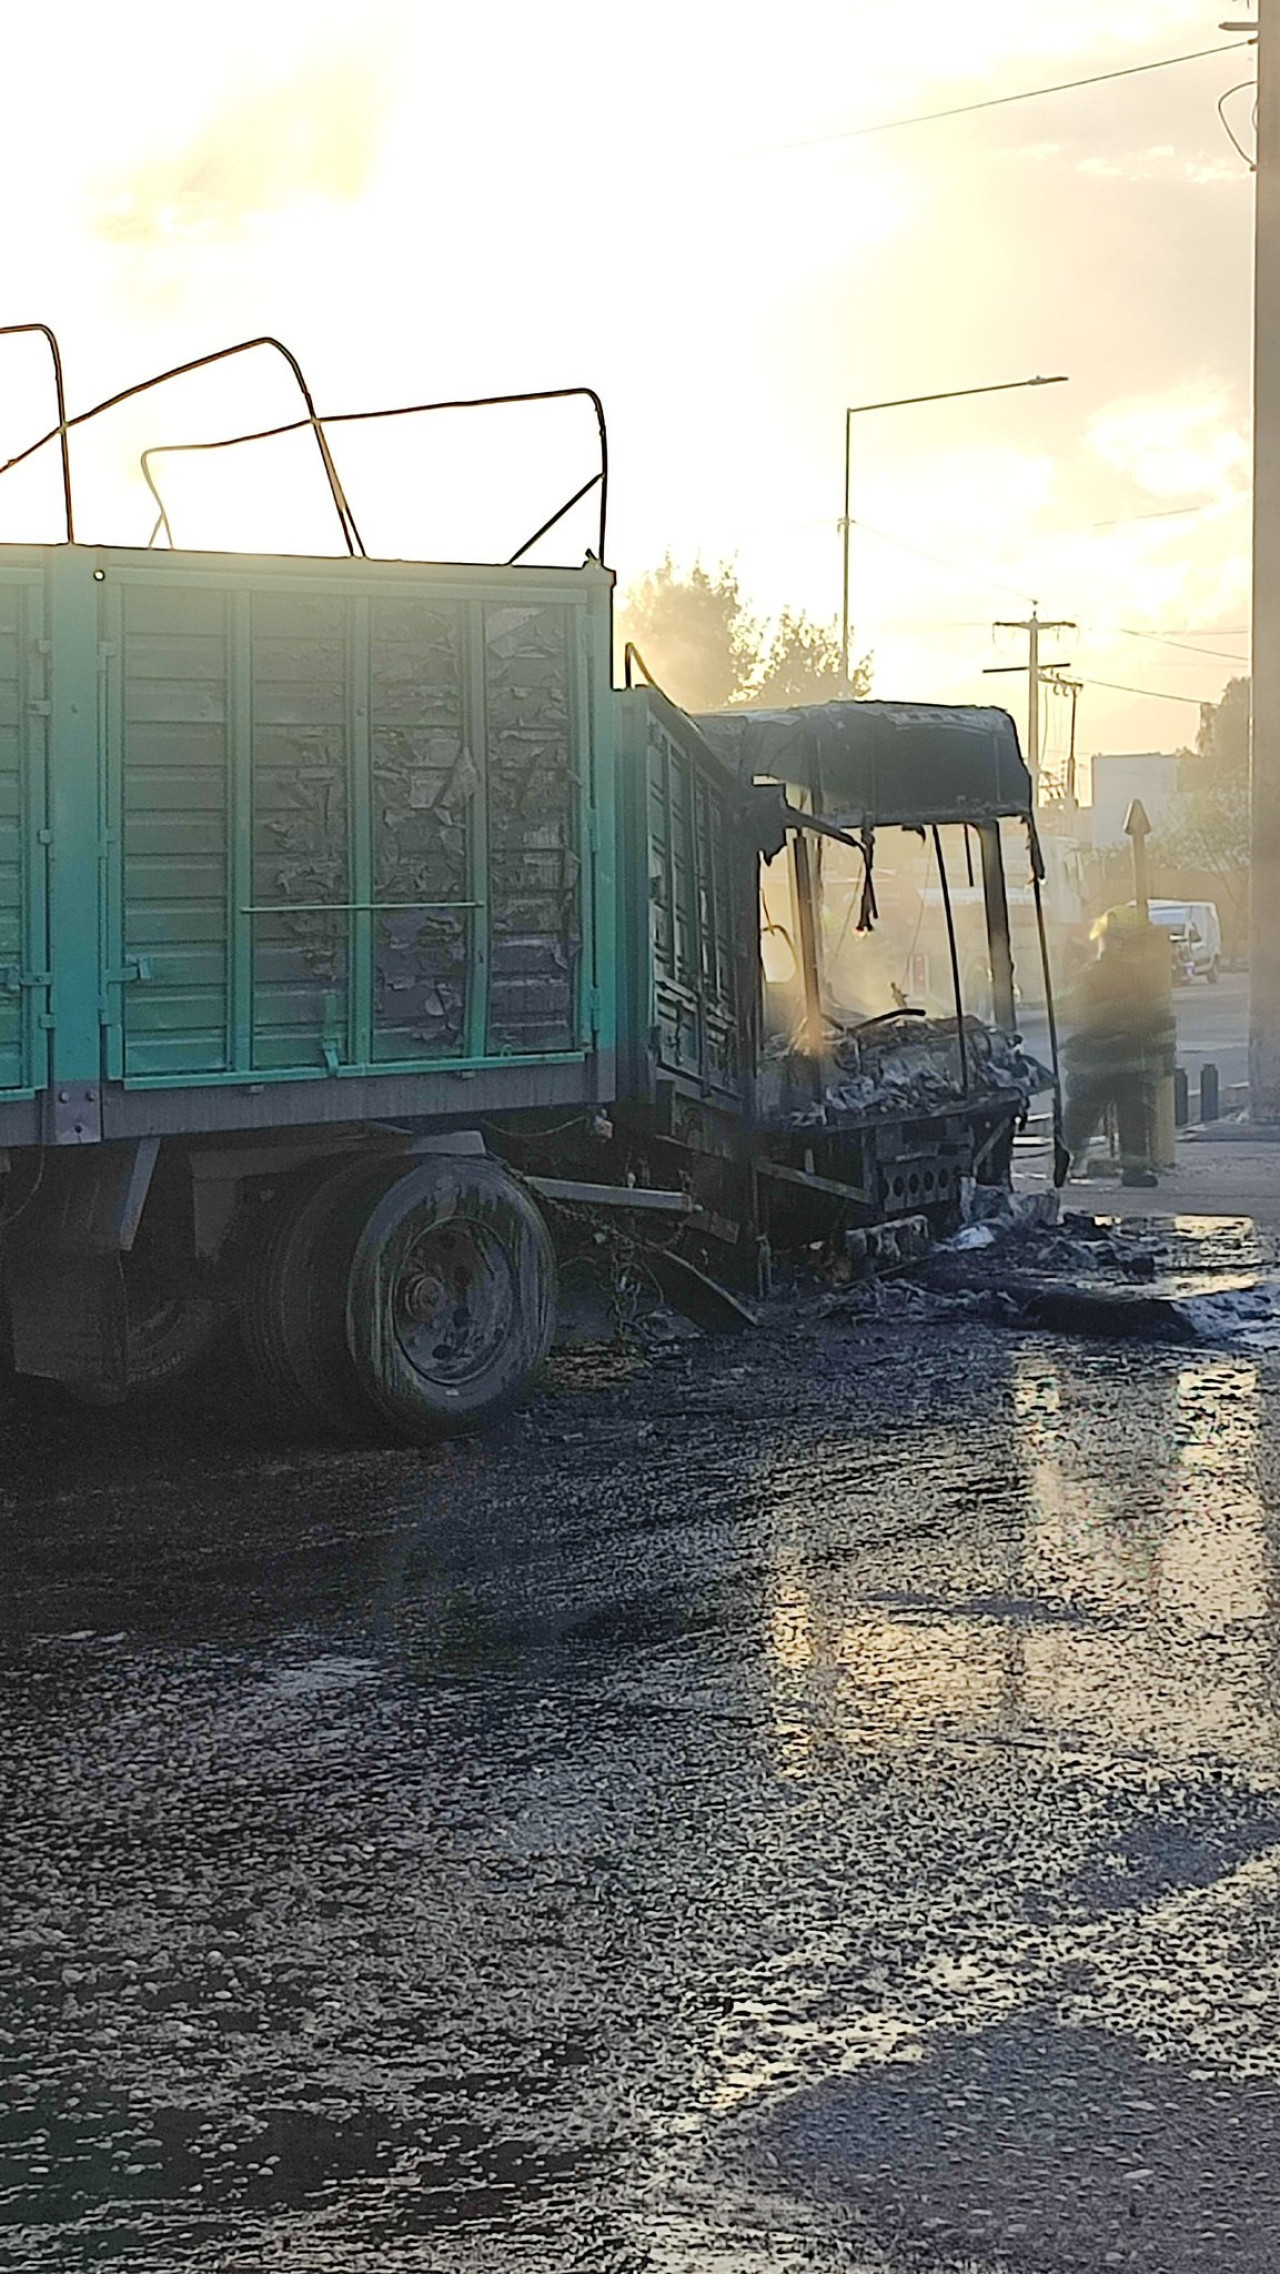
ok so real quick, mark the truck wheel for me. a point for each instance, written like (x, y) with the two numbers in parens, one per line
(292, 1319)
(1214, 972)
(450, 1294)
(170, 1338)
(169, 1331)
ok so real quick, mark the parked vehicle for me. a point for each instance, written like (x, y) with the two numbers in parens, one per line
(360, 941)
(1195, 935)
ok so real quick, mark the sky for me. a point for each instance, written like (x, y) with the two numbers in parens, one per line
(668, 203)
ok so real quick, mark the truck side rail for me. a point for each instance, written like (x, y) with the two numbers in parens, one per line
(11, 331)
(600, 479)
(178, 371)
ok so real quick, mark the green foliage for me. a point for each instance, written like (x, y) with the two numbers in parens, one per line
(1221, 754)
(802, 665)
(1210, 827)
(709, 653)
(694, 633)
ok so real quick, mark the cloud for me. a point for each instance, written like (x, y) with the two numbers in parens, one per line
(1161, 163)
(313, 136)
(1173, 445)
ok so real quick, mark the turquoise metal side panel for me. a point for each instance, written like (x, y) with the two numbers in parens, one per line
(687, 929)
(77, 694)
(602, 976)
(24, 947)
(354, 818)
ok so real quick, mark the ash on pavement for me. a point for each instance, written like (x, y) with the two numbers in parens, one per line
(812, 1804)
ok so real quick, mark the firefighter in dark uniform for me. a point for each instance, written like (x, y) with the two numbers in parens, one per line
(1122, 1042)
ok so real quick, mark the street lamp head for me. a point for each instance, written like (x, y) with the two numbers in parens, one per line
(957, 394)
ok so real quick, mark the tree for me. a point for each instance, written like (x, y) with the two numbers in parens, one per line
(1210, 825)
(1221, 754)
(707, 651)
(694, 633)
(802, 664)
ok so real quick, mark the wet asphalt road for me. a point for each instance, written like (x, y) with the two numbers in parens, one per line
(813, 1805)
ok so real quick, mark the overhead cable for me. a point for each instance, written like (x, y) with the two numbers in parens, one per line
(1162, 639)
(1153, 694)
(1227, 127)
(953, 568)
(998, 102)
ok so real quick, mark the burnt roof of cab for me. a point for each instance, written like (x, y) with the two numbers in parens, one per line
(876, 764)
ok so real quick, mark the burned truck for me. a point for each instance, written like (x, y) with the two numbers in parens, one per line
(893, 1057)
(362, 943)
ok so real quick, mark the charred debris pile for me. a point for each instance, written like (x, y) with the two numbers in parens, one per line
(908, 1063)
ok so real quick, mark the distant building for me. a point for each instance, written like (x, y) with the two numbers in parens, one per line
(1120, 776)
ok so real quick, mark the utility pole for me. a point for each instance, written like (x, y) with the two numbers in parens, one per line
(1053, 675)
(1264, 940)
(1033, 625)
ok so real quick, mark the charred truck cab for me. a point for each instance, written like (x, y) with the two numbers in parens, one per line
(798, 1050)
(362, 949)
(892, 1050)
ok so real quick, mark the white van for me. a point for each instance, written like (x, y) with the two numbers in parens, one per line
(1196, 932)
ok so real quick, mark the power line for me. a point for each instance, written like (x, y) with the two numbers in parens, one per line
(1124, 520)
(954, 568)
(1227, 128)
(998, 102)
(1162, 639)
(1098, 623)
(1162, 513)
(1154, 694)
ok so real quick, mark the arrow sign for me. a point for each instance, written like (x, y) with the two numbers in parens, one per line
(1138, 828)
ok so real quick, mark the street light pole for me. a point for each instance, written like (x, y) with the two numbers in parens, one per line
(900, 403)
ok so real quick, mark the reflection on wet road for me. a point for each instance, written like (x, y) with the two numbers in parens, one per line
(816, 1804)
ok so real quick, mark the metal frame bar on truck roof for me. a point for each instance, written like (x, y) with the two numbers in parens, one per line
(60, 432)
(416, 410)
(11, 331)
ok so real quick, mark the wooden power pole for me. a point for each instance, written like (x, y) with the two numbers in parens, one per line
(1037, 673)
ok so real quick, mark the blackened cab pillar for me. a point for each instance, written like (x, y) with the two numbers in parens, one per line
(996, 904)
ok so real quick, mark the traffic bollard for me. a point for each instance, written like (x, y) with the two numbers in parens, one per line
(1208, 1093)
(1181, 1098)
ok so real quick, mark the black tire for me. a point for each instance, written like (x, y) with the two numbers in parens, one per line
(450, 1294)
(170, 1330)
(292, 1316)
(1214, 972)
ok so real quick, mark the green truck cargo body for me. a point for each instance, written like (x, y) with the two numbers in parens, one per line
(690, 903)
(287, 841)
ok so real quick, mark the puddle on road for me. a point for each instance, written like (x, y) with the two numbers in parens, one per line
(1124, 1603)
(767, 1813)
(1203, 1243)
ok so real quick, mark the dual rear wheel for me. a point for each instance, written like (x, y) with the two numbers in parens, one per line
(409, 1304)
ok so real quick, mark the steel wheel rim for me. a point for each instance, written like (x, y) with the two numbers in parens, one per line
(452, 1301)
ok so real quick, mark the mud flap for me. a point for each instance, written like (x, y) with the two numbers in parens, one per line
(64, 1269)
(69, 1318)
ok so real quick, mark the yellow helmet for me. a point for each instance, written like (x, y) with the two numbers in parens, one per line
(1126, 917)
